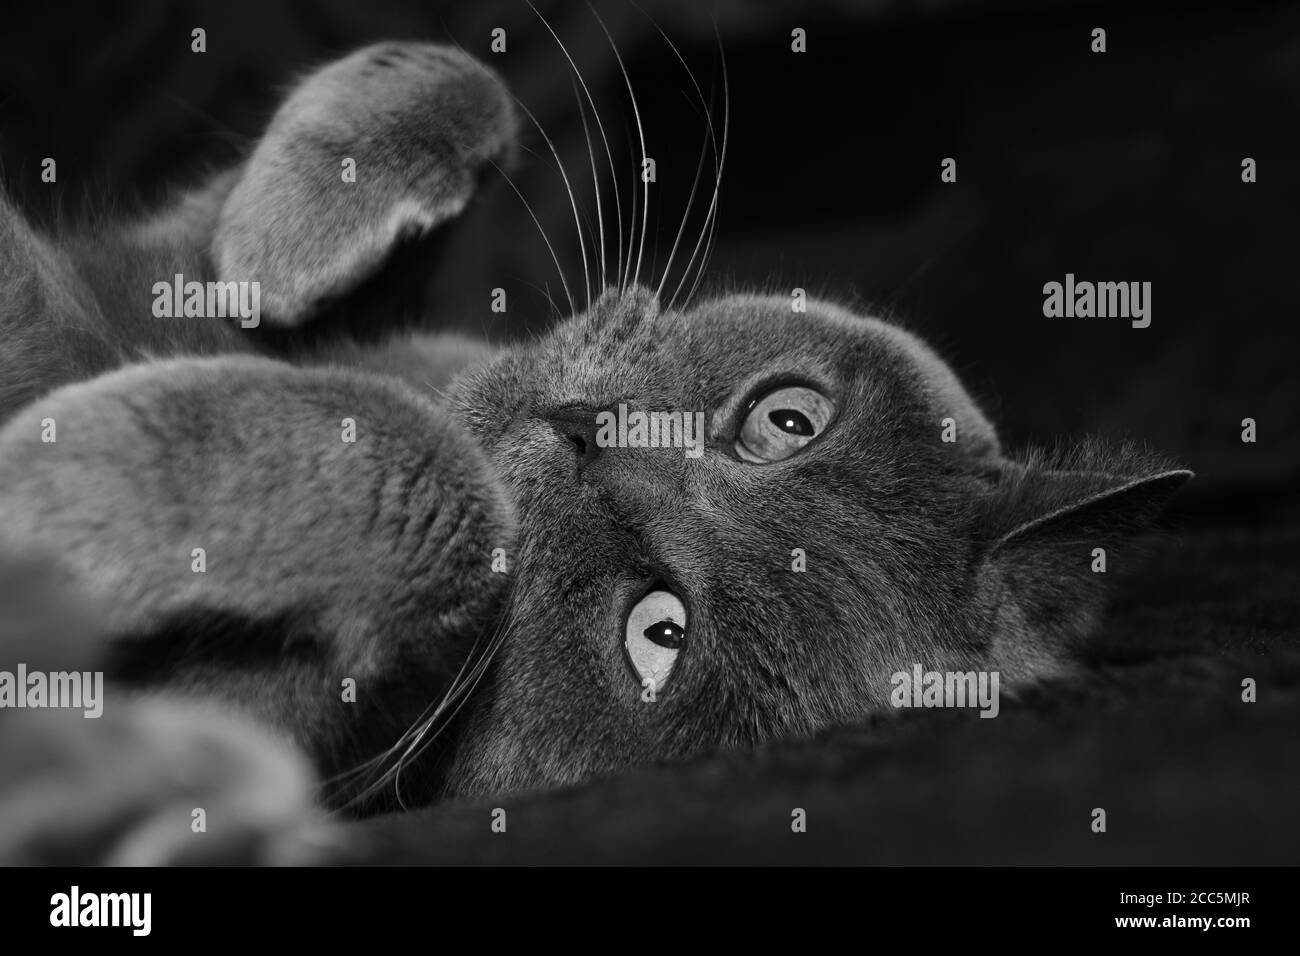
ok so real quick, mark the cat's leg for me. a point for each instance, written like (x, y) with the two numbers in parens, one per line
(157, 779)
(124, 777)
(379, 147)
(313, 546)
(384, 145)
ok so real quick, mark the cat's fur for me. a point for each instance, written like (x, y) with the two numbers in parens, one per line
(373, 560)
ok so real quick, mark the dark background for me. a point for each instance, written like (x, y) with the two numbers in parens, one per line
(1121, 166)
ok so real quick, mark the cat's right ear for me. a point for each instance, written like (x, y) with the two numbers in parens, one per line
(1050, 537)
(385, 145)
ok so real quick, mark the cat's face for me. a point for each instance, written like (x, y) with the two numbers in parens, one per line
(823, 452)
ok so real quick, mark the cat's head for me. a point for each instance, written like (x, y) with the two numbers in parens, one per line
(852, 513)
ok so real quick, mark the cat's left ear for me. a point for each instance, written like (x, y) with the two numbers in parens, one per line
(1050, 539)
(1042, 506)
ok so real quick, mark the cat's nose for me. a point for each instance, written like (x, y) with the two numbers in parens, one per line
(577, 425)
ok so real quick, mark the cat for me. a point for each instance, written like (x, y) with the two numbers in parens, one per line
(265, 520)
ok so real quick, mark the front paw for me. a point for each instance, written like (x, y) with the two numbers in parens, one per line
(153, 782)
(318, 546)
(374, 148)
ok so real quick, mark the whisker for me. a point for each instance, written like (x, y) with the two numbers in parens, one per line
(558, 313)
(711, 219)
(636, 111)
(704, 261)
(465, 695)
(573, 202)
(377, 761)
(463, 684)
(699, 169)
(654, 246)
(686, 213)
(636, 205)
(554, 258)
(595, 180)
(600, 127)
(701, 240)
(462, 694)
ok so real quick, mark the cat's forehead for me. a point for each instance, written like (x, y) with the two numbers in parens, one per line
(885, 385)
(626, 346)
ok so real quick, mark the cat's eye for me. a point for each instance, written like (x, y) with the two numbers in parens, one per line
(654, 635)
(781, 422)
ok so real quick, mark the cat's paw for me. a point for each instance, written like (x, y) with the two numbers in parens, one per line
(321, 548)
(385, 144)
(111, 776)
(154, 782)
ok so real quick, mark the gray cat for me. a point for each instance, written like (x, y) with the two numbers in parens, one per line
(495, 590)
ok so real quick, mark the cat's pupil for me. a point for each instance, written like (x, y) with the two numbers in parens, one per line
(666, 634)
(788, 420)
